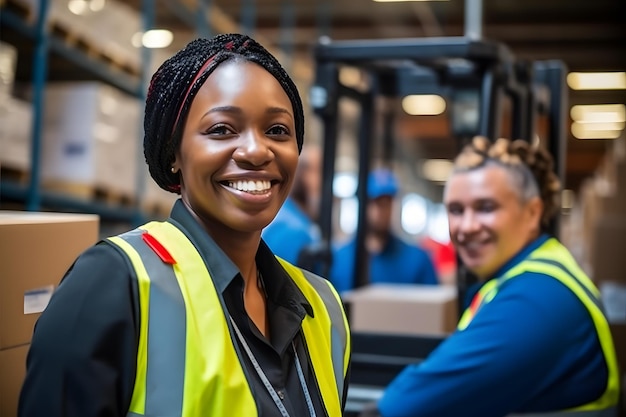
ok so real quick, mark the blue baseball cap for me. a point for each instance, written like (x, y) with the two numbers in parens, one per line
(381, 182)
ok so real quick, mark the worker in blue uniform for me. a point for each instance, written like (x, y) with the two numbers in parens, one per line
(391, 259)
(533, 338)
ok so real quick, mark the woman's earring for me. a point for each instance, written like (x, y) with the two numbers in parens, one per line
(173, 170)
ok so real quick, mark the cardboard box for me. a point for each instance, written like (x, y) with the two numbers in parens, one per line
(8, 64)
(403, 309)
(92, 136)
(36, 249)
(12, 372)
(608, 262)
(16, 120)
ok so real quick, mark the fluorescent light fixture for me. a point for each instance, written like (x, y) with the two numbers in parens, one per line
(155, 38)
(437, 170)
(600, 126)
(423, 105)
(580, 131)
(77, 7)
(599, 113)
(597, 80)
(598, 121)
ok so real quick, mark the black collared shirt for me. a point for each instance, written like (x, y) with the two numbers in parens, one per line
(82, 361)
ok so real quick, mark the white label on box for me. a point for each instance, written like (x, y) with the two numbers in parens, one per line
(36, 301)
(614, 299)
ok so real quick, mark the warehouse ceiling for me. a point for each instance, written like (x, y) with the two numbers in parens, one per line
(585, 35)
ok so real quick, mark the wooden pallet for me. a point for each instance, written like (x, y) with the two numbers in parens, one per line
(20, 176)
(78, 190)
(81, 43)
(156, 209)
(20, 9)
(112, 197)
(73, 39)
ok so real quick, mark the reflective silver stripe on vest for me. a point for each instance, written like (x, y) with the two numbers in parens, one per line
(559, 265)
(609, 412)
(338, 336)
(165, 374)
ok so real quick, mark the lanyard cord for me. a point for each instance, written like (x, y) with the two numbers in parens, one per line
(266, 382)
(307, 396)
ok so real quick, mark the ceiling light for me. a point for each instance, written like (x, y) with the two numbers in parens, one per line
(155, 38)
(77, 7)
(597, 80)
(423, 105)
(580, 131)
(437, 170)
(601, 126)
(598, 113)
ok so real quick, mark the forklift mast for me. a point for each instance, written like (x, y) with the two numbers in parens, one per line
(471, 74)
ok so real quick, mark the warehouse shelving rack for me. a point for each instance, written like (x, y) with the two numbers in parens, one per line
(44, 41)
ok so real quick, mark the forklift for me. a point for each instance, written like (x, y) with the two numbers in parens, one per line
(474, 76)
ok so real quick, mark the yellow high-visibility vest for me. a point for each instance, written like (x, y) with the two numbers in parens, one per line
(185, 370)
(554, 260)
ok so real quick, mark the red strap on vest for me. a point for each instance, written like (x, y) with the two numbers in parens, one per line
(159, 249)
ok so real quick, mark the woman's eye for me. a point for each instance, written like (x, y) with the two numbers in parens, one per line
(278, 130)
(219, 130)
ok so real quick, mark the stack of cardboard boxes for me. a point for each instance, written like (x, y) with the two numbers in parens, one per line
(35, 251)
(603, 214)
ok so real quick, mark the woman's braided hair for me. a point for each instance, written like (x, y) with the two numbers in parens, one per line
(175, 84)
(531, 165)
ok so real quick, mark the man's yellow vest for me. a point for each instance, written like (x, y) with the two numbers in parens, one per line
(187, 363)
(553, 259)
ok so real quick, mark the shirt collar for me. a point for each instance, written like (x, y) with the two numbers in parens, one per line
(280, 288)
(521, 255)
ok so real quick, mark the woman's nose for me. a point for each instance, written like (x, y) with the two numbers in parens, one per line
(253, 148)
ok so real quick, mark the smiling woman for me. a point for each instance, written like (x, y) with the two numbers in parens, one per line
(238, 153)
(195, 316)
(534, 338)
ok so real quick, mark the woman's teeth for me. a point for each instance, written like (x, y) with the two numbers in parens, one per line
(250, 186)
